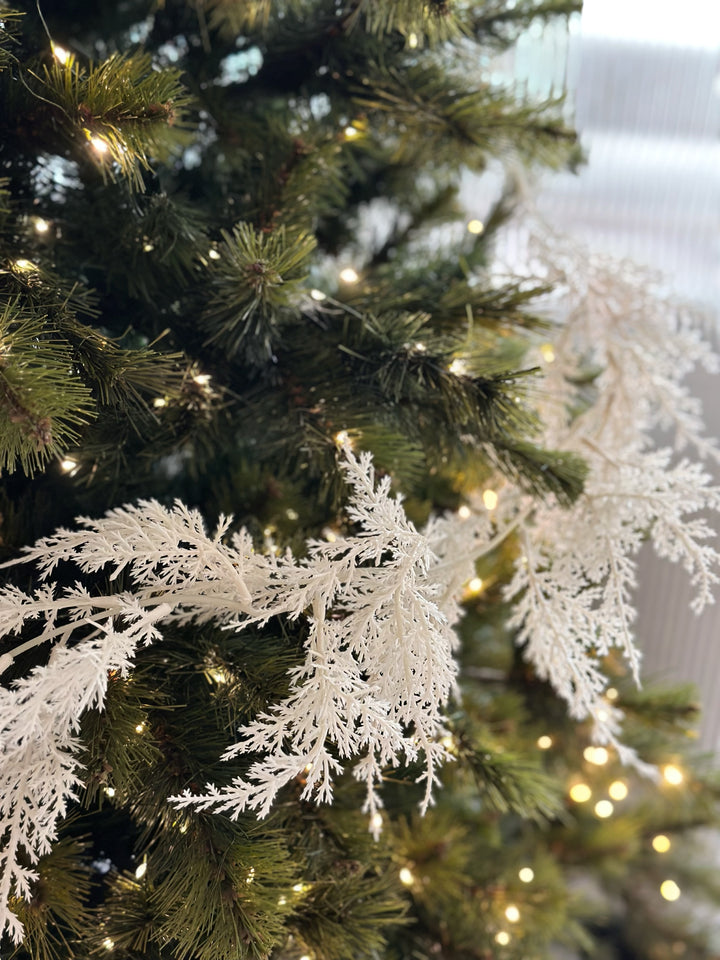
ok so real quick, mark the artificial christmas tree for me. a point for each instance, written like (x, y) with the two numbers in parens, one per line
(229, 291)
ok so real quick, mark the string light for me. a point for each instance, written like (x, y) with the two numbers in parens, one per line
(148, 247)
(301, 887)
(23, 264)
(68, 465)
(611, 693)
(376, 822)
(318, 295)
(213, 254)
(183, 828)
(661, 843)
(604, 809)
(412, 40)
(458, 367)
(351, 133)
(512, 913)
(306, 956)
(251, 875)
(547, 352)
(159, 402)
(108, 943)
(464, 512)
(502, 937)
(41, 226)
(202, 379)
(348, 275)
(475, 585)
(341, 438)
(217, 675)
(61, 54)
(99, 145)
(476, 227)
(490, 499)
(406, 877)
(141, 870)
(140, 728)
(282, 901)
(110, 791)
(544, 742)
(673, 774)
(597, 755)
(526, 874)
(669, 890)
(618, 790)
(580, 792)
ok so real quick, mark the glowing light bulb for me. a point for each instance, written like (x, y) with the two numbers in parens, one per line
(490, 499)
(669, 890)
(580, 792)
(406, 877)
(547, 352)
(476, 227)
(376, 822)
(611, 693)
(41, 226)
(202, 379)
(213, 254)
(141, 871)
(351, 133)
(597, 755)
(342, 437)
(348, 275)
(23, 264)
(108, 943)
(300, 888)
(68, 465)
(318, 295)
(502, 937)
(661, 843)
(217, 675)
(282, 901)
(458, 367)
(464, 512)
(544, 742)
(251, 875)
(99, 145)
(673, 774)
(618, 790)
(604, 809)
(140, 728)
(475, 585)
(412, 40)
(159, 402)
(526, 874)
(60, 53)
(148, 247)
(183, 828)
(512, 913)
(110, 791)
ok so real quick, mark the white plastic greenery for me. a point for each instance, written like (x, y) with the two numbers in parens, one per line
(380, 604)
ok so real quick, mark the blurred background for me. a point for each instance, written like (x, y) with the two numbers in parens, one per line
(642, 81)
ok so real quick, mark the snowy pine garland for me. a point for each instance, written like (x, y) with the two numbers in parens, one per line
(380, 604)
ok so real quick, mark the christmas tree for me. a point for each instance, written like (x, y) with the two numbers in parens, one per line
(319, 527)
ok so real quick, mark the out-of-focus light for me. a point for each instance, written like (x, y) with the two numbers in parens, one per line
(141, 870)
(475, 226)
(41, 226)
(406, 877)
(673, 774)
(412, 40)
(611, 693)
(618, 790)
(99, 145)
(108, 943)
(213, 254)
(597, 755)
(475, 585)
(60, 53)
(669, 890)
(661, 843)
(547, 352)
(604, 809)
(464, 512)
(318, 295)
(526, 874)
(580, 792)
(458, 367)
(544, 742)
(512, 913)
(490, 499)
(502, 937)
(348, 275)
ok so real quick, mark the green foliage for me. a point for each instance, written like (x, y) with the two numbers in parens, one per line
(9, 30)
(255, 284)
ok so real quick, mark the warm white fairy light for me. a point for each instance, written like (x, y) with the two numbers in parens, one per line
(41, 226)
(406, 877)
(490, 499)
(604, 809)
(213, 254)
(301, 887)
(148, 247)
(140, 728)
(23, 264)
(512, 913)
(60, 53)
(547, 352)
(502, 937)
(475, 227)
(458, 367)
(618, 790)
(544, 742)
(141, 870)
(412, 40)
(318, 295)
(251, 875)
(282, 901)
(673, 774)
(183, 828)
(159, 402)
(580, 792)
(475, 585)
(526, 874)
(68, 465)
(202, 379)
(217, 675)
(108, 943)
(110, 791)
(661, 843)
(464, 512)
(611, 693)
(306, 956)
(669, 890)
(596, 755)
(376, 822)
(342, 438)
(351, 133)
(99, 145)
(348, 275)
